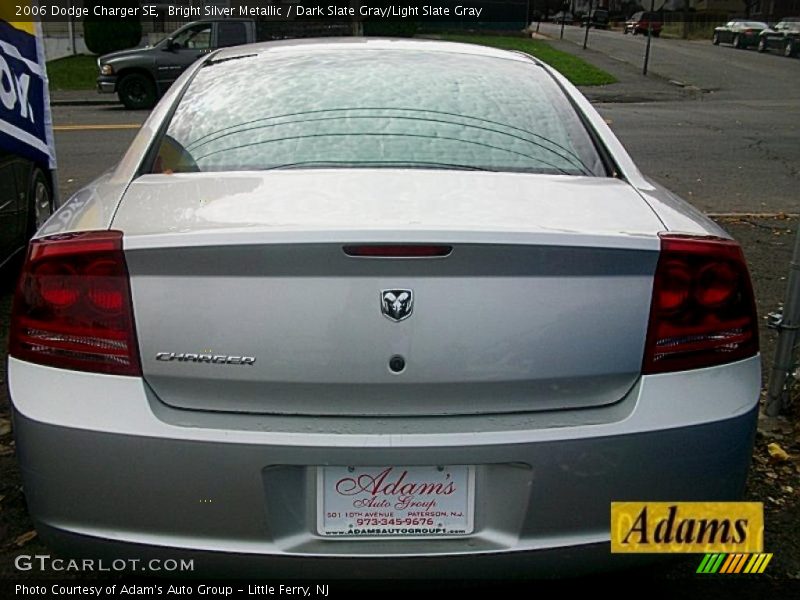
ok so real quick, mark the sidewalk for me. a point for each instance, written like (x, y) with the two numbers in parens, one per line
(631, 85)
(81, 98)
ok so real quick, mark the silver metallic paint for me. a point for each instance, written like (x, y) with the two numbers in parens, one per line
(668, 437)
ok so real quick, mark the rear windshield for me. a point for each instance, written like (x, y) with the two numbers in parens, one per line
(375, 108)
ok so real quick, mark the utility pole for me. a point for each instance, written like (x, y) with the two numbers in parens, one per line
(538, 16)
(685, 29)
(71, 30)
(649, 36)
(588, 22)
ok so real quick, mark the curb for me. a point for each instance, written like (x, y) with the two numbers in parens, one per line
(761, 215)
(86, 102)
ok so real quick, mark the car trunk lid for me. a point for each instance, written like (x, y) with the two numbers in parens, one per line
(246, 301)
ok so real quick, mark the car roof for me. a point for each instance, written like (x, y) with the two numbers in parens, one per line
(321, 45)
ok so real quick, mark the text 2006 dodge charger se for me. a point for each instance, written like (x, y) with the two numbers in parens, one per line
(373, 306)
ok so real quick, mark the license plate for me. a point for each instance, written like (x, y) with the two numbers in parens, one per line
(369, 502)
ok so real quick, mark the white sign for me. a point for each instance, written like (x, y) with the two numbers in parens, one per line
(364, 502)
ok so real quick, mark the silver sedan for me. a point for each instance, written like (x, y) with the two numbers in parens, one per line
(383, 307)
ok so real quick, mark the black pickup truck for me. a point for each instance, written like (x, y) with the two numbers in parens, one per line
(140, 76)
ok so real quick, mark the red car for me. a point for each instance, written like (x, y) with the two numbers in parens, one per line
(641, 21)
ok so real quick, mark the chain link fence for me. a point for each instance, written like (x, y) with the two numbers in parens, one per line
(783, 381)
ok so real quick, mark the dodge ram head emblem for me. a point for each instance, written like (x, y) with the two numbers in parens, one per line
(397, 305)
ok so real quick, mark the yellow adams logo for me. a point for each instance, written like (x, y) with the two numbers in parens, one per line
(690, 527)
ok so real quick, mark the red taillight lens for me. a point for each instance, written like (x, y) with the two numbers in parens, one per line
(676, 285)
(703, 311)
(717, 282)
(72, 307)
(55, 286)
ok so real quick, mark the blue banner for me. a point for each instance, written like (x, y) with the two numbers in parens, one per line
(25, 119)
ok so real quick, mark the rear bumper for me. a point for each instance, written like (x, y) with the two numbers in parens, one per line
(750, 40)
(572, 561)
(639, 29)
(134, 477)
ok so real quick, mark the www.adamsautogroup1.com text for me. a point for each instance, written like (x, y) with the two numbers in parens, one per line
(302, 591)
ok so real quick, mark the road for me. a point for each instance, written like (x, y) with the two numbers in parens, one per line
(723, 157)
(729, 73)
(90, 140)
(733, 145)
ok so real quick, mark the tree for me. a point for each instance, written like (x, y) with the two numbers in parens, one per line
(750, 5)
(109, 34)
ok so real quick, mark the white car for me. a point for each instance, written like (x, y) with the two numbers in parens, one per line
(562, 17)
(346, 302)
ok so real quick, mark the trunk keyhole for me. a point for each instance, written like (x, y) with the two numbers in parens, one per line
(397, 364)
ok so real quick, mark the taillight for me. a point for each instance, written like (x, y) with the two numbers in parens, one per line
(702, 311)
(72, 307)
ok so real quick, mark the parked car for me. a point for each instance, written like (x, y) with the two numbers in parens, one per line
(334, 312)
(27, 154)
(563, 17)
(785, 36)
(643, 21)
(597, 19)
(740, 33)
(140, 76)
(26, 201)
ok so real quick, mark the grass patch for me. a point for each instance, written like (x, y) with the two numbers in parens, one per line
(577, 70)
(72, 73)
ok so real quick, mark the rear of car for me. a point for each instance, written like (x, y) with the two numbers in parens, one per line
(563, 17)
(400, 300)
(642, 22)
(598, 19)
(746, 33)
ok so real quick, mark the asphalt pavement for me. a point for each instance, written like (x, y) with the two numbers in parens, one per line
(717, 125)
(90, 139)
(729, 73)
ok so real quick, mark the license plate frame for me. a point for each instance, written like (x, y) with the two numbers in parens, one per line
(356, 508)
